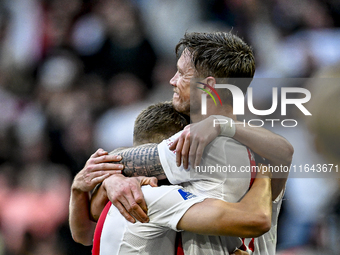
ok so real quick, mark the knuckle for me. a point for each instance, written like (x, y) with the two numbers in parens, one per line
(129, 209)
(114, 200)
(139, 200)
(134, 206)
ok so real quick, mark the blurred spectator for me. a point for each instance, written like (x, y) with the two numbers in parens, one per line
(167, 21)
(325, 126)
(75, 73)
(115, 127)
(124, 46)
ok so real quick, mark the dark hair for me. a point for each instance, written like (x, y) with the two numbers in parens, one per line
(219, 54)
(158, 122)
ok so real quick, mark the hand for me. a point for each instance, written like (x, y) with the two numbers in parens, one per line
(239, 252)
(97, 168)
(125, 194)
(191, 143)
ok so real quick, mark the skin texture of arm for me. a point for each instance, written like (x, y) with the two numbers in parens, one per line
(98, 201)
(142, 160)
(79, 212)
(82, 228)
(276, 149)
(251, 217)
(196, 136)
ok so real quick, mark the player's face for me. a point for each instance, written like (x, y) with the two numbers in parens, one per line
(181, 83)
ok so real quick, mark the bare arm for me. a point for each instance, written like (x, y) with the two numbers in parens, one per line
(81, 226)
(142, 160)
(98, 201)
(190, 145)
(251, 217)
(276, 149)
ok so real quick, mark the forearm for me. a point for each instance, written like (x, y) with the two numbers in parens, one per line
(82, 228)
(276, 149)
(142, 160)
(98, 201)
(253, 213)
(250, 217)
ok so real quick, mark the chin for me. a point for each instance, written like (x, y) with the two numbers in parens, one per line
(181, 107)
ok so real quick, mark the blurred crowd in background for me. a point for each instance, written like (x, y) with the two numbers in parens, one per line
(74, 74)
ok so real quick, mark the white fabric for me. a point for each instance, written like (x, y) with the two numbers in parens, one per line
(227, 125)
(227, 186)
(166, 206)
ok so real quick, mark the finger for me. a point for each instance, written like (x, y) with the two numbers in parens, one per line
(153, 182)
(192, 151)
(102, 175)
(107, 158)
(139, 210)
(179, 151)
(139, 214)
(174, 144)
(98, 153)
(132, 207)
(199, 153)
(99, 179)
(121, 208)
(106, 167)
(185, 152)
(143, 180)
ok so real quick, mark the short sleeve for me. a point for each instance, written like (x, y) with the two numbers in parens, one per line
(175, 175)
(168, 204)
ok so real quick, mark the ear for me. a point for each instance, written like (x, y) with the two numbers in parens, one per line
(211, 81)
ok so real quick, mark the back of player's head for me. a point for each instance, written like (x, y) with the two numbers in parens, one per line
(158, 122)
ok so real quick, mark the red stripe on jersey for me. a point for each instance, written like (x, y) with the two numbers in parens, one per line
(99, 229)
(252, 165)
(251, 245)
(178, 244)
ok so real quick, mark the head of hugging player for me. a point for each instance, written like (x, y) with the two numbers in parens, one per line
(206, 57)
(158, 122)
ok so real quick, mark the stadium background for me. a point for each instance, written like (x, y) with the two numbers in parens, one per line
(74, 74)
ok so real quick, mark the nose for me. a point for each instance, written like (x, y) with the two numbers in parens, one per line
(173, 80)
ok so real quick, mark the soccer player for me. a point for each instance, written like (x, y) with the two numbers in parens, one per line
(204, 56)
(167, 204)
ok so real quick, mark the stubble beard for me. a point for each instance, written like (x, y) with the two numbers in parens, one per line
(183, 107)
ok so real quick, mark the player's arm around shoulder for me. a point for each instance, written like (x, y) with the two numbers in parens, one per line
(251, 217)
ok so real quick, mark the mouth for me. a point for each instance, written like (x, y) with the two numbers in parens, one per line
(176, 95)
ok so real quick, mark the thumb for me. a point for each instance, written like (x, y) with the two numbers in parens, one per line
(153, 182)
